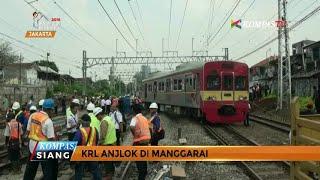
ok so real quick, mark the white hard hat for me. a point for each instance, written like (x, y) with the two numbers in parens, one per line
(97, 110)
(90, 106)
(16, 105)
(76, 101)
(41, 102)
(33, 108)
(153, 106)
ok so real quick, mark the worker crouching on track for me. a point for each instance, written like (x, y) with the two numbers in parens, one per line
(139, 127)
(40, 128)
(155, 122)
(107, 138)
(87, 136)
(13, 133)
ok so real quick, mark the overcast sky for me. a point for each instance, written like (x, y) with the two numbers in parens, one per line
(66, 49)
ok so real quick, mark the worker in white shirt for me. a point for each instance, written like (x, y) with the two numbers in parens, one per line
(108, 105)
(72, 118)
(116, 117)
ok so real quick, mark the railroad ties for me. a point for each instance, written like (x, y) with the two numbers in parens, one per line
(227, 135)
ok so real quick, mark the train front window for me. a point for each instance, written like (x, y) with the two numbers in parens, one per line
(228, 82)
(213, 82)
(240, 83)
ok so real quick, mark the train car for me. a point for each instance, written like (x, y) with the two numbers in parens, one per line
(216, 91)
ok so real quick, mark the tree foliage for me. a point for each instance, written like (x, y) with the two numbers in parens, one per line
(98, 88)
(49, 64)
(7, 56)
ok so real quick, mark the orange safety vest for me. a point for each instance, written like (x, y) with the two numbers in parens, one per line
(37, 120)
(141, 131)
(92, 141)
(14, 129)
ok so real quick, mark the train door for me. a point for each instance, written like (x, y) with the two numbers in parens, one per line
(155, 88)
(227, 92)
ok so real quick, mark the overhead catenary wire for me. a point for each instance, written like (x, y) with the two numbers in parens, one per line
(312, 13)
(211, 38)
(143, 27)
(76, 22)
(181, 25)
(211, 17)
(241, 16)
(255, 33)
(105, 11)
(34, 8)
(169, 24)
(124, 19)
(136, 21)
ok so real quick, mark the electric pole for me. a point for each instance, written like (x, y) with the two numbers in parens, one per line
(48, 54)
(84, 71)
(284, 63)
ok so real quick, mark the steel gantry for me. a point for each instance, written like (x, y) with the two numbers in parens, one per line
(88, 62)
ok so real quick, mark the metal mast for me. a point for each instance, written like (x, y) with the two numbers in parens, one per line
(284, 64)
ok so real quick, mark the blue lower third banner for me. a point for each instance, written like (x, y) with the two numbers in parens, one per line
(47, 150)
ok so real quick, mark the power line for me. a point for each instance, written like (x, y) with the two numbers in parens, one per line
(135, 19)
(75, 21)
(184, 13)
(143, 27)
(124, 20)
(211, 17)
(169, 24)
(291, 28)
(116, 26)
(34, 8)
(241, 16)
(234, 8)
(255, 33)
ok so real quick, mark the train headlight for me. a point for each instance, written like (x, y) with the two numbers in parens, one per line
(213, 98)
(241, 98)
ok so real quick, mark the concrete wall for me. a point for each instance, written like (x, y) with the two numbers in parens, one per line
(21, 94)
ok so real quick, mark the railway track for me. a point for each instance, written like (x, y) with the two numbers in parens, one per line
(226, 135)
(280, 126)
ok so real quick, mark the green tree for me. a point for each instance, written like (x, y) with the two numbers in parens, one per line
(7, 55)
(49, 64)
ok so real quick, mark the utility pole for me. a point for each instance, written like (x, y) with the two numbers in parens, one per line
(20, 78)
(279, 58)
(84, 71)
(226, 53)
(284, 63)
(20, 71)
(48, 54)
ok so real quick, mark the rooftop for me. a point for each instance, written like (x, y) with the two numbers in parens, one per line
(265, 61)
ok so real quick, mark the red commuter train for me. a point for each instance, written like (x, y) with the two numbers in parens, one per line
(216, 91)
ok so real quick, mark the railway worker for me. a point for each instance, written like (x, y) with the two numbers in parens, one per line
(139, 127)
(72, 118)
(94, 122)
(108, 104)
(246, 121)
(33, 109)
(40, 128)
(40, 104)
(107, 138)
(103, 104)
(13, 134)
(19, 115)
(157, 131)
(87, 136)
(116, 117)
